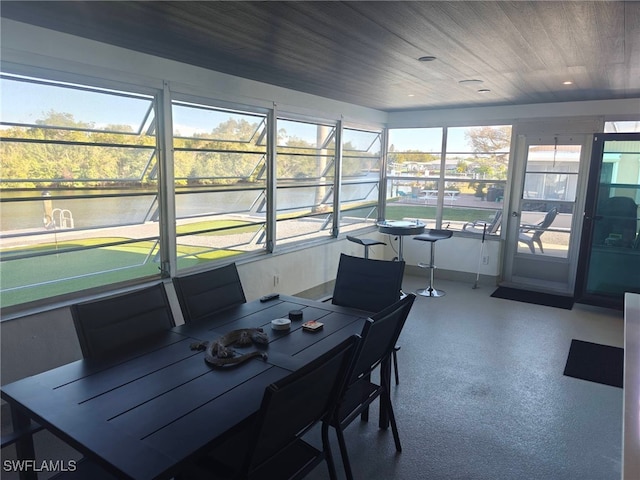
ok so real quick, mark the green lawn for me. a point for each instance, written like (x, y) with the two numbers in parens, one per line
(398, 212)
(72, 271)
(73, 265)
(64, 268)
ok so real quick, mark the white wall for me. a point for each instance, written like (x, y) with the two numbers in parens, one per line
(608, 109)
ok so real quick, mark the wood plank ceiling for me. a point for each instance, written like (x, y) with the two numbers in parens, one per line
(367, 53)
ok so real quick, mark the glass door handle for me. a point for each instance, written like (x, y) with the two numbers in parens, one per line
(515, 214)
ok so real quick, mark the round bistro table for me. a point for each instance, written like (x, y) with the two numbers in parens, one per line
(401, 228)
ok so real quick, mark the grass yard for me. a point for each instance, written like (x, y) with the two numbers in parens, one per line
(78, 264)
(398, 212)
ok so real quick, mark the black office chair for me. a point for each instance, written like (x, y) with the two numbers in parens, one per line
(369, 285)
(272, 447)
(111, 323)
(378, 339)
(202, 294)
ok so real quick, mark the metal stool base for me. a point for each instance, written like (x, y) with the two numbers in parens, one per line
(431, 292)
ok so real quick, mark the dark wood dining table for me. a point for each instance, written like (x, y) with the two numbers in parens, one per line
(148, 410)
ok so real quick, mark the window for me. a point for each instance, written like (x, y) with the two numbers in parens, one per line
(361, 168)
(622, 127)
(413, 172)
(477, 162)
(83, 202)
(79, 188)
(305, 171)
(220, 182)
(455, 189)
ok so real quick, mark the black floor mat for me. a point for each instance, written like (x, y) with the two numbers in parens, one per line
(538, 298)
(595, 363)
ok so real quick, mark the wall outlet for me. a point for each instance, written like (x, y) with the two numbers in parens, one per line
(485, 260)
(276, 280)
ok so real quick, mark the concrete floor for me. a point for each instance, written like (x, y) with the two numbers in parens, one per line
(482, 396)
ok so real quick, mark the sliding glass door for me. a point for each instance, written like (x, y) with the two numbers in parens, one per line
(610, 250)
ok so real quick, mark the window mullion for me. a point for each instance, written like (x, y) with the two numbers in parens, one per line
(166, 184)
(443, 165)
(382, 190)
(272, 155)
(337, 179)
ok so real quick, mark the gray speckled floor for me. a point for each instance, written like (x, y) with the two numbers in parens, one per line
(482, 395)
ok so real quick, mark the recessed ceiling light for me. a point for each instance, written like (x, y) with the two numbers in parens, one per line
(484, 90)
(472, 81)
(568, 82)
(411, 95)
(427, 58)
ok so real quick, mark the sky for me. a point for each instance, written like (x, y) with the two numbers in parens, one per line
(25, 102)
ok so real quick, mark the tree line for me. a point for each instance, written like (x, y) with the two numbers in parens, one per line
(76, 154)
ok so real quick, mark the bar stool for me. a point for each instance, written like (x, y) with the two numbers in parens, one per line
(366, 243)
(432, 236)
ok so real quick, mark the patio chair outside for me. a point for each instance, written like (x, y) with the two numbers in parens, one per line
(492, 225)
(530, 234)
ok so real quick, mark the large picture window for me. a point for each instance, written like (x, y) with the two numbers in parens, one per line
(361, 167)
(220, 182)
(413, 170)
(86, 204)
(305, 176)
(79, 188)
(461, 188)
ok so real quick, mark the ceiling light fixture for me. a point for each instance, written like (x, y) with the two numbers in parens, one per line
(568, 82)
(484, 90)
(427, 58)
(472, 81)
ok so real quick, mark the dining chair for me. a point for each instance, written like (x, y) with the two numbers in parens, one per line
(82, 469)
(18, 432)
(272, 447)
(378, 338)
(204, 293)
(530, 234)
(369, 285)
(106, 325)
(113, 322)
